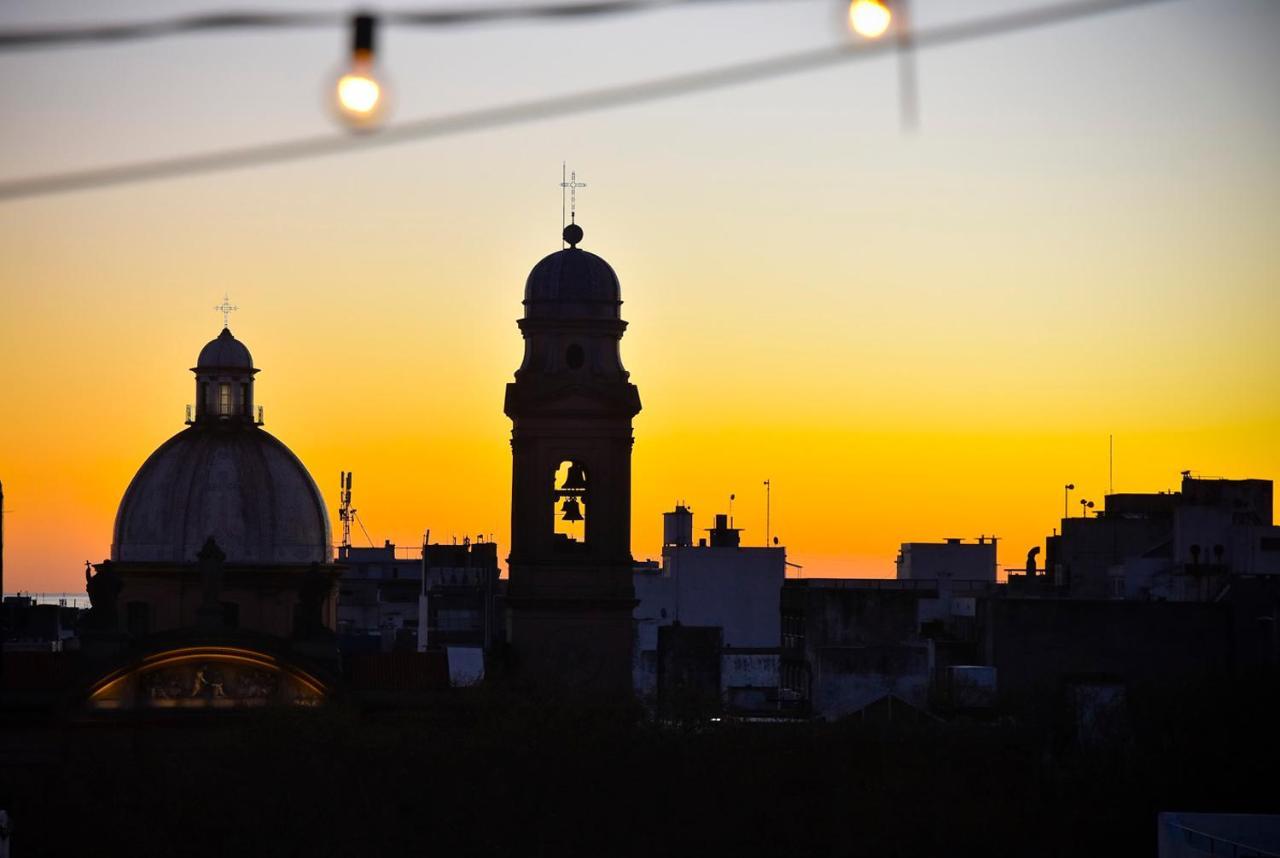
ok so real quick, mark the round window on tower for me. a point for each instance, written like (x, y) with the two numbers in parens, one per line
(575, 357)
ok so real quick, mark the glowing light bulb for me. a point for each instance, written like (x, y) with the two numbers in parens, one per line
(360, 97)
(358, 93)
(869, 18)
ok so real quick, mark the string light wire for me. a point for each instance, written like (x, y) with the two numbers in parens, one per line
(214, 22)
(560, 106)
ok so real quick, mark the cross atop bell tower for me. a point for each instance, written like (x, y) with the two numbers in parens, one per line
(226, 308)
(571, 185)
(571, 405)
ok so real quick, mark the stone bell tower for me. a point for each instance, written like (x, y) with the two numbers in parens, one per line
(570, 594)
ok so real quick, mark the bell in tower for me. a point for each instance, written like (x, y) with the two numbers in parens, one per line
(571, 405)
(572, 510)
(573, 490)
(575, 481)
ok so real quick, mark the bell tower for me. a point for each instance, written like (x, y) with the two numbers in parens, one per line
(570, 594)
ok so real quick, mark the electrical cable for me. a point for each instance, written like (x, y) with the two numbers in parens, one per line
(212, 22)
(560, 106)
(356, 515)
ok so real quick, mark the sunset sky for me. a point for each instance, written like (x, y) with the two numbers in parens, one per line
(912, 335)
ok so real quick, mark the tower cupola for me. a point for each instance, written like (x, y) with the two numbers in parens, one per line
(572, 321)
(572, 284)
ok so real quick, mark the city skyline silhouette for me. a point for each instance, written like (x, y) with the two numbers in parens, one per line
(619, 427)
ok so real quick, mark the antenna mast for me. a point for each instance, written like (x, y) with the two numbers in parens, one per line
(345, 512)
(768, 500)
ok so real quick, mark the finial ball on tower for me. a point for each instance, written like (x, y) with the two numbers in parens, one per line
(573, 234)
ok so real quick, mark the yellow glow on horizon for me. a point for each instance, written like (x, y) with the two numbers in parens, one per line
(930, 344)
(869, 18)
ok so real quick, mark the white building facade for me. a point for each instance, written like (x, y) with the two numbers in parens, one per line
(715, 583)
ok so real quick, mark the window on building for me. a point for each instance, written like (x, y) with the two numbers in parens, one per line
(224, 399)
(793, 630)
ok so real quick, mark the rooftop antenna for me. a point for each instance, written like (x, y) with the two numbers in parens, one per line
(731, 497)
(426, 541)
(768, 491)
(345, 512)
(1111, 464)
(226, 308)
(570, 184)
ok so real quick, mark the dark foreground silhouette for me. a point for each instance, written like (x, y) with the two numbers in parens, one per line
(482, 773)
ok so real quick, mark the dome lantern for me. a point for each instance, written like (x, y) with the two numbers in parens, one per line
(224, 380)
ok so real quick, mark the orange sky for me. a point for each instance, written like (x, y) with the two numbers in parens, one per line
(913, 336)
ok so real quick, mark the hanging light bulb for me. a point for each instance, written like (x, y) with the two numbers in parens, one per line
(869, 18)
(360, 94)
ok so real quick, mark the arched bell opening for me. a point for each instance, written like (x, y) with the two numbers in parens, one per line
(570, 505)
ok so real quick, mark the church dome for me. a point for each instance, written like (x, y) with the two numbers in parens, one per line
(572, 283)
(225, 351)
(234, 482)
